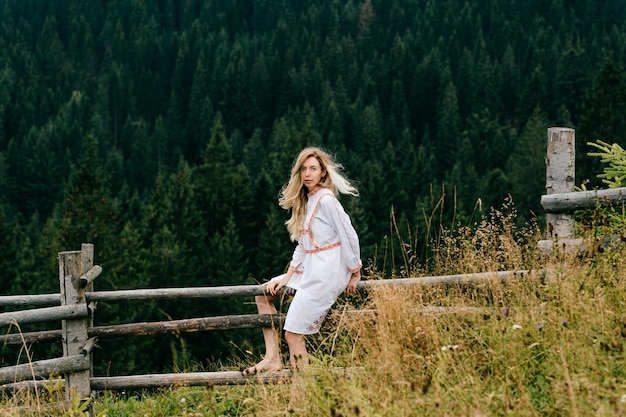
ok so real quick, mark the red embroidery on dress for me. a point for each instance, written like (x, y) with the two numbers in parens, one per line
(317, 205)
(295, 269)
(317, 324)
(323, 248)
(314, 191)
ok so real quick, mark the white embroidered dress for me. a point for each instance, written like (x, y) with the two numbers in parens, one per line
(327, 254)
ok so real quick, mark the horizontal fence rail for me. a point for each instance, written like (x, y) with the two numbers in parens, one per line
(582, 200)
(185, 379)
(45, 368)
(252, 290)
(30, 300)
(40, 315)
(245, 321)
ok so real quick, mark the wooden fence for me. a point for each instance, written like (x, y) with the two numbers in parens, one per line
(561, 201)
(75, 304)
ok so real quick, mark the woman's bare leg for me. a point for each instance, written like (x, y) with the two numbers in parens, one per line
(299, 359)
(271, 361)
(298, 356)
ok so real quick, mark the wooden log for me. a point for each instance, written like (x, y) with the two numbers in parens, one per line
(152, 328)
(569, 202)
(30, 300)
(456, 279)
(46, 314)
(186, 380)
(91, 275)
(51, 384)
(560, 176)
(245, 321)
(252, 290)
(44, 369)
(44, 336)
(175, 293)
(569, 246)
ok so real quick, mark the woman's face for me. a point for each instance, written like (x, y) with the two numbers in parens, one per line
(311, 173)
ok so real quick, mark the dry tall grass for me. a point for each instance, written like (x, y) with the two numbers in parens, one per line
(551, 343)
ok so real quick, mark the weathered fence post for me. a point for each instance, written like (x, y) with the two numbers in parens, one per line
(560, 177)
(72, 265)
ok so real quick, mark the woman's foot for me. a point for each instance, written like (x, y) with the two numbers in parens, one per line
(265, 365)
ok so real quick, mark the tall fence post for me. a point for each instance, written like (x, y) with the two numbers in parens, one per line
(72, 265)
(560, 177)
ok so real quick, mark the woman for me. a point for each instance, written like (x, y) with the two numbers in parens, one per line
(325, 262)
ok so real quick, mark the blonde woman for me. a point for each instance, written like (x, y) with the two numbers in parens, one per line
(325, 262)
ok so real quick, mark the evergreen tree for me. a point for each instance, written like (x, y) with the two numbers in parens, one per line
(4, 180)
(448, 127)
(602, 116)
(88, 214)
(572, 77)
(172, 226)
(37, 174)
(222, 188)
(201, 112)
(534, 95)
(526, 168)
(7, 254)
(274, 247)
(369, 132)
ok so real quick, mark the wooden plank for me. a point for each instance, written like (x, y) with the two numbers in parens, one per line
(43, 369)
(186, 380)
(569, 202)
(46, 314)
(246, 321)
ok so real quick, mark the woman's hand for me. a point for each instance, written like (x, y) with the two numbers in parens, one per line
(277, 283)
(354, 280)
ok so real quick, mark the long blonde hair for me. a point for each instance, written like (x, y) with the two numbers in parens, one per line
(294, 195)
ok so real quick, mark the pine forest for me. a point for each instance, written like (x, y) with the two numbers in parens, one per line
(162, 131)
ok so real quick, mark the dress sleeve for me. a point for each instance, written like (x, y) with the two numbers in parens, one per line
(340, 221)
